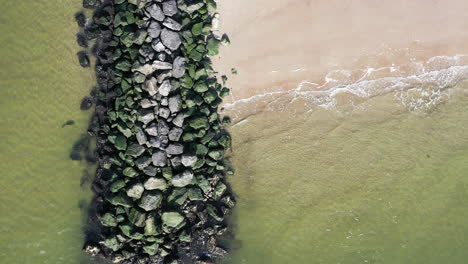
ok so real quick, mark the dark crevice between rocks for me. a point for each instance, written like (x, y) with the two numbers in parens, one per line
(160, 188)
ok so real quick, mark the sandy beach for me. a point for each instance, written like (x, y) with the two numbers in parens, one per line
(276, 44)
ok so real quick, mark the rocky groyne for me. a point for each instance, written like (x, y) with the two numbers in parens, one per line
(161, 194)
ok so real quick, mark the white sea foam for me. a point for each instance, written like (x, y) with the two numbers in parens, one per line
(417, 85)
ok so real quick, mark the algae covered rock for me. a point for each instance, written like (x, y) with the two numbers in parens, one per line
(155, 184)
(108, 219)
(172, 219)
(135, 191)
(150, 201)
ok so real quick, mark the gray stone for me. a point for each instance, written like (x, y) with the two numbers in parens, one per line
(164, 75)
(178, 120)
(150, 86)
(172, 24)
(178, 67)
(176, 161)
(163, 127)
(175, 149)
(146, 115)
(140, 135)
(147, 52)
(161, 57)
(159, 158)
(159, 141)
(152, 130)
(151, 201)
(154, 183)
(170, 8)
(174, 103)
(183, 179)
(135, 191)
(150, 170)
(135, 150)
(156, 12)
(175, 134)
(171, 39)
(158, 46)
(156, 65)
(146, 103)
(164, 101)
(189, 160)
(142, 162)
(154, 29)
(165, 88)
(164, 112)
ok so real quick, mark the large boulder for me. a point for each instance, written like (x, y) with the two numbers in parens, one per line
(171, 39)
(170, 8)
(140, 135)
(175, 133)
(183, 179)
(165, 88)
(159, 158)
(154, 29)
(146, 115)
(172, 24)
(172, 219)
(135, 150)
(142, 162)
(135, 191)
(178, 67)
(154, 183)
(163, 127)
(156, 12)
(151, 201)
(151, 86)
(178, 120)
(189, 160)
(156, 65)
(152, 130)
(175, 149)
(174, 103)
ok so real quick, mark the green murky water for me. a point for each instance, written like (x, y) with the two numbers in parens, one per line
(376, 185)
(41, 85)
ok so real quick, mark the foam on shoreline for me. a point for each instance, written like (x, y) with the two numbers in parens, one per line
(416, 85)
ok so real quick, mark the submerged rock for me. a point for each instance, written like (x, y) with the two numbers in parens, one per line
(83, 58)
(86, 103)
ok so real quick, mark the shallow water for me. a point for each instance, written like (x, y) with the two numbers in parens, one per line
(41, 86)
(379, 183)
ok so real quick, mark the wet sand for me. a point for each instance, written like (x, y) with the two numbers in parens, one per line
(276, 44)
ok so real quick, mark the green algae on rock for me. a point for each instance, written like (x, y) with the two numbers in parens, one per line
(161, 194)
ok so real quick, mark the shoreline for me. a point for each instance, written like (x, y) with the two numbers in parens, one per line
(323, 36)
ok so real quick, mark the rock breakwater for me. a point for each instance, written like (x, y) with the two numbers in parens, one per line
(161, 194)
